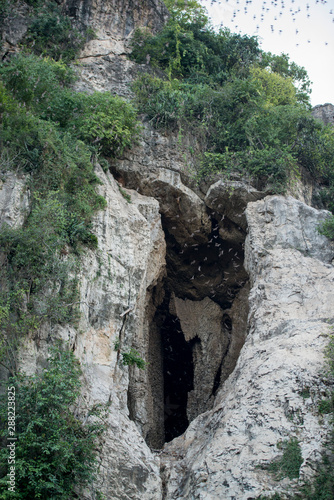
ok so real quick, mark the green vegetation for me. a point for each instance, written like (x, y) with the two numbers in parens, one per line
(56, 452)
(289, 464)
(125, 195)
(305, 393)
(327, 228)
(249, 113)
(130, 358)
(273, 497)
(51, 137)
(50, 30)
(322, 486)
(248, 110)
(54, 135)
(133, 358)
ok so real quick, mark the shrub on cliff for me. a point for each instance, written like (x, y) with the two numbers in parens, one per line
(55, 454)
(104, 122)
(54, 136)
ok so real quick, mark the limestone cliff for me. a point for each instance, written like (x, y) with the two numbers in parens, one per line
(324, 112)
(227, 293)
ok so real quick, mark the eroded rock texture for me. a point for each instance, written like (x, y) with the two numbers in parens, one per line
(104, 62)
(324, 112)
(130, 260)
(14, 199)
(261, 403)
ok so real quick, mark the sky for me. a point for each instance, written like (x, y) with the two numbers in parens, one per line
(303, 29)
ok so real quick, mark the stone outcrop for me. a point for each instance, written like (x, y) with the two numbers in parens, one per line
(13, 28)
(14, 199)
(104, 64)
(117, 19)
(324, 112)
(130, 260)
(214, 330)
(256, 404)
(224, 452)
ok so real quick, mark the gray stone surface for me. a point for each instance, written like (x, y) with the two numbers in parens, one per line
(14, 199)
(261, 404)
(324, 112)
(202, 320)
(129, 260)
(14, 28)
(231, 198)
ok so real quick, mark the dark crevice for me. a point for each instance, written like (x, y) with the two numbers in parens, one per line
(212, 268)
(178, 373)
(227, 326)
(131, 405)
(227, 322)
(216, 382)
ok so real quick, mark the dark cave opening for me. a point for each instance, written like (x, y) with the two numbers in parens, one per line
(211, 268)
(196, 330)
(178, 373)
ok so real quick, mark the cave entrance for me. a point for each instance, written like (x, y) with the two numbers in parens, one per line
(197, 324)
(178, 374)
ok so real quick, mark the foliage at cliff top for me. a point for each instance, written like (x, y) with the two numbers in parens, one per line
(248, 110)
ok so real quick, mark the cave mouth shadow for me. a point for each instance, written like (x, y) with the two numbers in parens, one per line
(181, 386)
(178, 373)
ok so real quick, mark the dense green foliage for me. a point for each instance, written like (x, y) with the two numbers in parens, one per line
(247, 109)
(55, 452)
(54, 135)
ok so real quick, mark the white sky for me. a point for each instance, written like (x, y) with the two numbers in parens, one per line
(304, 29)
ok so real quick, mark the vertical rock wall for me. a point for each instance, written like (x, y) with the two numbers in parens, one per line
(225, 452)
(130, 260)
(324, 112)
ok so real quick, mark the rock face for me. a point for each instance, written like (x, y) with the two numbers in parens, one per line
(324, 112)
(233, 287)
(213, 330)
(14, 200)
(104, 62)
(261, 404)
(129, 261)
(13, 29)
